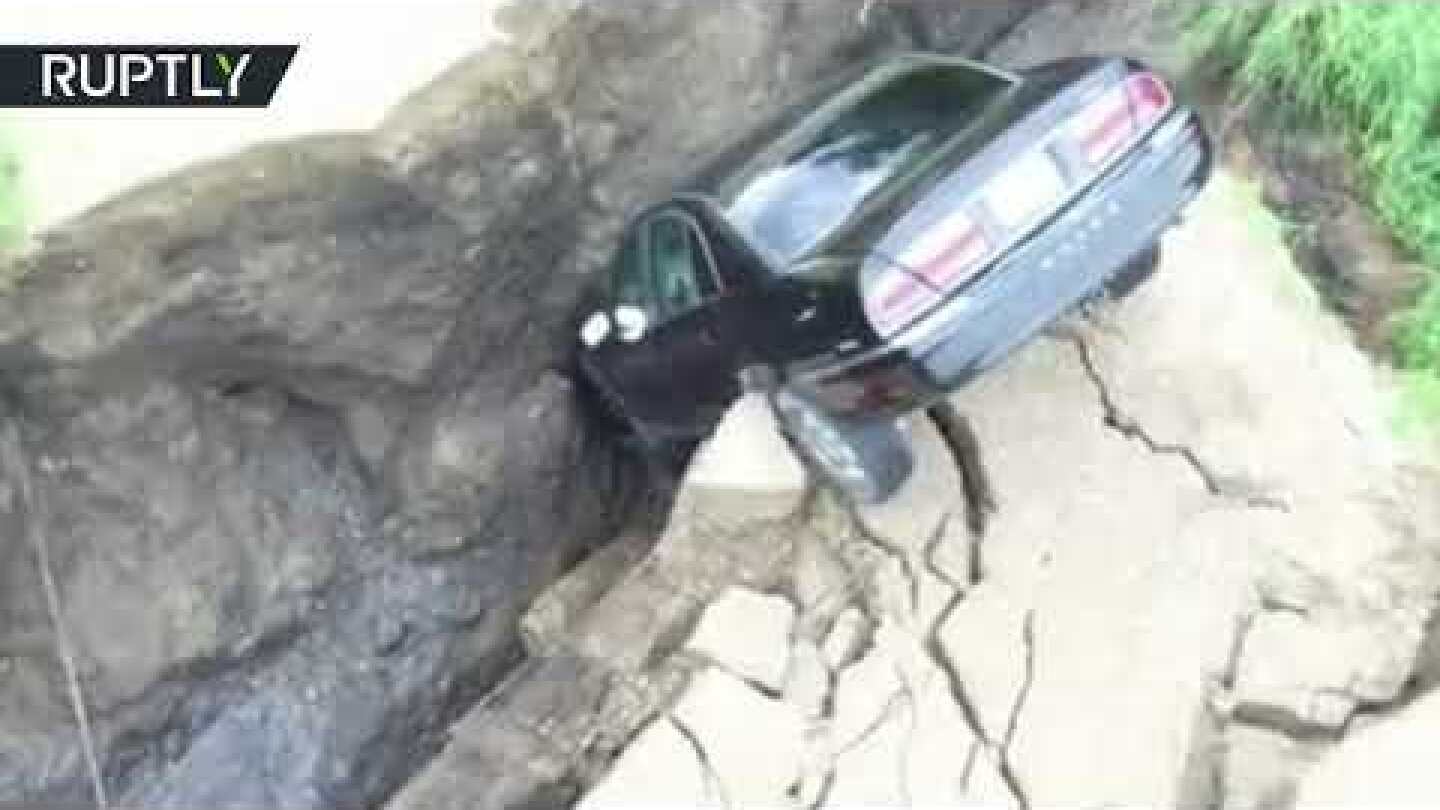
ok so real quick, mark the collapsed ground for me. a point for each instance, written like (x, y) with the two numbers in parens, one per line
(1204, 566)
(299, 443)
(300, 460)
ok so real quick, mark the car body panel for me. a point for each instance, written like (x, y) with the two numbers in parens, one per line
(1040, 278)
(800, 310)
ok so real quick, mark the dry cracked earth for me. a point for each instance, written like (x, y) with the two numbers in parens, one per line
(1167, 556)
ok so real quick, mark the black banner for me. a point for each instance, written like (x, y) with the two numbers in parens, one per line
(141, 75)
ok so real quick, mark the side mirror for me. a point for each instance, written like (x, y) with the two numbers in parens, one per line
(595, 329)
(630, 323)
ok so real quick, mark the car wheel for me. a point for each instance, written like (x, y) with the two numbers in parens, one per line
(1134, 273)
(867, 459)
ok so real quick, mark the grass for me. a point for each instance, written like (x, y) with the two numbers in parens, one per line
(1371, 71)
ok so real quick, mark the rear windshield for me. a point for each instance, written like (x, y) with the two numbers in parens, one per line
(825, 171)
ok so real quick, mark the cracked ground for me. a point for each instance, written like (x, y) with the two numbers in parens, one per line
(1161, 544)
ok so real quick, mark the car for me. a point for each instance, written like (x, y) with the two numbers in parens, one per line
(873, 249)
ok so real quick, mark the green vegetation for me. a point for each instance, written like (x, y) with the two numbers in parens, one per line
(1370, 70)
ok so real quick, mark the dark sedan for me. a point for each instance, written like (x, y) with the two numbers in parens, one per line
(869, 251)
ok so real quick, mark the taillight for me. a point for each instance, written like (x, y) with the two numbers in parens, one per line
(948, 253)
(1150, 97)
(894, 298)
(1119, 115)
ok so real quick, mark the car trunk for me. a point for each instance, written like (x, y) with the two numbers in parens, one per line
(1033, 156)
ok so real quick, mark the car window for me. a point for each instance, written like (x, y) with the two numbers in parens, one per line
(681, 265)
(632, 281)
(826, 171)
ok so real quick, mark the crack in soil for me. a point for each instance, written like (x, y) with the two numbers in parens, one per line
(933, 650)
(980, 502)
(827, 785)
(963, 442)
(826, 719)
(1237, 648)
(1012, 724)
(1273, 604)
(936, 537)
(956, 684)
(827, 722)
(760, 688)
(892, 704)
(1216, 777)
(702, 756)
(1129, 427)
(969, 768)
(827, 707)
(894, 552)
(867, 611)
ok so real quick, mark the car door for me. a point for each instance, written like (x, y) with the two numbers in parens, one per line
(680, 374)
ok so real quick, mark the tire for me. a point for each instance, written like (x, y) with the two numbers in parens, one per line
(866, 459)
(1130, 277)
